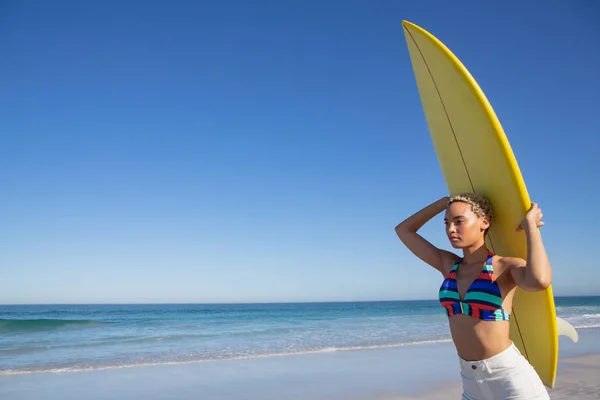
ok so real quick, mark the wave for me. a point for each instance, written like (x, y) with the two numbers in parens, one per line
(577, 310)
(329, 349)
(589, 326)
(584, 321)
(43, 324)
(591, 316)
(116, 341)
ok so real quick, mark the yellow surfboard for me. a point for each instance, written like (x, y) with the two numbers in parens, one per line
(475, 156)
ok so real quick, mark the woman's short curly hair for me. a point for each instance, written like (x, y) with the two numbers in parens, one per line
(480, 205)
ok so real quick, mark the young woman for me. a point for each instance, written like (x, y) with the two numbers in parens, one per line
(477, 293)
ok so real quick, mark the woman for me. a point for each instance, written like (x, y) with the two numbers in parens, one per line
(491, 366)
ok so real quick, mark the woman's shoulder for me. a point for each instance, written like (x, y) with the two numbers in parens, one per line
(449, 260)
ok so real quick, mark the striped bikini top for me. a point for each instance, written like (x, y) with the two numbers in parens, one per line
(483, 299)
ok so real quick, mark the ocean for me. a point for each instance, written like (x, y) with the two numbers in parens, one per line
(62, 338)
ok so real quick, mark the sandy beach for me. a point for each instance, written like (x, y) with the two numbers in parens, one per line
(580, 379)
(577, 378)
(397, 373)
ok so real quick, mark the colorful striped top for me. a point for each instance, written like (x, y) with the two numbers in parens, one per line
(483, 299)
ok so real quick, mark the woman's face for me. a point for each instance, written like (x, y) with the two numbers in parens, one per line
(463, 227)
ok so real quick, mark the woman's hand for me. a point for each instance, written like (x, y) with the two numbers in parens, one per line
(533, 218)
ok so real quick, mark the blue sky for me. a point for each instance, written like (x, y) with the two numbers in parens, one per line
(261, 151)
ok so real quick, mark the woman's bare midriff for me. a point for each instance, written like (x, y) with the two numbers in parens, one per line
(477, 340)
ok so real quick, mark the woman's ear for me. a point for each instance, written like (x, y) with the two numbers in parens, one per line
(485, 224)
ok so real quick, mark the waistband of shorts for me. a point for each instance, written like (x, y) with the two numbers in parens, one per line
(505, 358)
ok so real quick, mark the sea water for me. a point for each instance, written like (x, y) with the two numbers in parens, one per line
(59, 338)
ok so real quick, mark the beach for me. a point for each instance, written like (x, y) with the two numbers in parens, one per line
(428, 371)
(302, 351)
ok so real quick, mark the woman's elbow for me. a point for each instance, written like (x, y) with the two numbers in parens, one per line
(545, 282)
(403, 227)
(541, 282)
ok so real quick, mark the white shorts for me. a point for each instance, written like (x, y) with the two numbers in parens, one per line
(507, 375)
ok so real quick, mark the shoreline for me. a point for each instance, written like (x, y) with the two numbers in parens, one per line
(572, 350)
(398, 373)
(328, 350)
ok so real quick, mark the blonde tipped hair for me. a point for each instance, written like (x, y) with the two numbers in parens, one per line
(480, 205)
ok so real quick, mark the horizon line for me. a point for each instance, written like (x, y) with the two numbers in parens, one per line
(252, 302)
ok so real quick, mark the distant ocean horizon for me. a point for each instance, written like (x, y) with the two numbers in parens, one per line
(209, 303)
(80, 337)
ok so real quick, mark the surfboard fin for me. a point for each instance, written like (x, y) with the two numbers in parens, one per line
(566, 329)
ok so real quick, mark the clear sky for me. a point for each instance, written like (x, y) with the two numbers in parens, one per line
(264, 151)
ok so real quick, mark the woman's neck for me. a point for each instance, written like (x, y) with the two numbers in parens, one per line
(475, 254)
